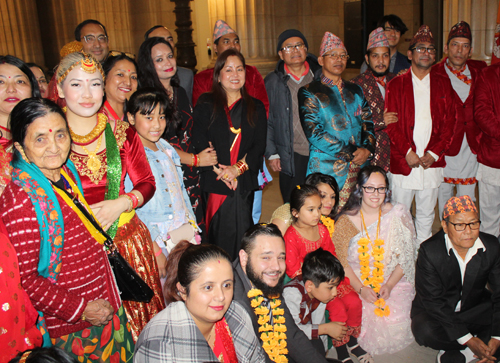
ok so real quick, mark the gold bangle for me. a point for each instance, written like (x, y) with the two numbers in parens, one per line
(83, 318)
(131, 202)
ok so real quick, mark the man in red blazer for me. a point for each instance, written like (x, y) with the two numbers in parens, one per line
(461, 160)
(487, 117)
(423, 101)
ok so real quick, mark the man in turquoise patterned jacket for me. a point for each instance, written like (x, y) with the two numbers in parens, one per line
(336, 119)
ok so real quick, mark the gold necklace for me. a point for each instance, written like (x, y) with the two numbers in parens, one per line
(93, 163)
(102, 120)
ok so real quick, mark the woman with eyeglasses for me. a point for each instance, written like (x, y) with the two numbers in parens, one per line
(381, 250)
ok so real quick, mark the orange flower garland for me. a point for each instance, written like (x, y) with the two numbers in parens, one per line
(377, 274)
(273, 335)
(329, 223)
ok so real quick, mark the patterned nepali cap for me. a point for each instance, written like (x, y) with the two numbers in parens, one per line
(221, 28)
(424, 34)
(377, 38)
(456, 205)
(460, 30)
(330, 41)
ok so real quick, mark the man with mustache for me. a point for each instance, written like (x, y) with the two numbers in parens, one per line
(373, 81)
(461, 161)
(258, 284)
(336, 119)
(424, 103)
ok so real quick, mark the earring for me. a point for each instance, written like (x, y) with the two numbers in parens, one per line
(23, 155)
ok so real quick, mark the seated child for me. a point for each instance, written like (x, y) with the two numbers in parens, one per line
(305, 235)
(307, 295)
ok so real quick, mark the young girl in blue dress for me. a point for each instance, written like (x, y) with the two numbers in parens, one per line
(168, 215)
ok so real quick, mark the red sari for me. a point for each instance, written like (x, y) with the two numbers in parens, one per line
(18, 317)
(223, 345)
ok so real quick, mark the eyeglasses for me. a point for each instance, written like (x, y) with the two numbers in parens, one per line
(336, 56)
(115, 53)
(291, 48)
(424, 49)
(381, 190)
(460, 227)
(391, 29)
(89, 39)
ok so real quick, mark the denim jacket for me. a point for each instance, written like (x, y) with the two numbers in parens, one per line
(170, 206)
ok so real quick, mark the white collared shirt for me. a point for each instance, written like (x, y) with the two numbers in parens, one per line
(462, 263)
(420, 178)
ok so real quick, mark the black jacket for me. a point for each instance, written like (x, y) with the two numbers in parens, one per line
(253, 143)
(280, 122)
(299, 347)
(438, 284)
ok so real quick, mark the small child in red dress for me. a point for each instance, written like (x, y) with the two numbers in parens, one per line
(307, 234)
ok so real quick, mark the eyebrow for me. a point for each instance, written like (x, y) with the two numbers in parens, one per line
(43, 134)
(81, 80)
(16, 76)
(124, 70)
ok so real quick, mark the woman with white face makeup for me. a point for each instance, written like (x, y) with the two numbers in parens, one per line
(104, 151)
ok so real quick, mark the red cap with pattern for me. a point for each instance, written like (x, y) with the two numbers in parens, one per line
(423, 35)
(460, 30)
(456, 205)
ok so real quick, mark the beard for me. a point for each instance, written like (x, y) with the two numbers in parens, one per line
(259, 283)
(380, 74)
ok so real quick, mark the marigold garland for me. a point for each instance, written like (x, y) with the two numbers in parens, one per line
(377, 274)
(329, 223)
(273, 336)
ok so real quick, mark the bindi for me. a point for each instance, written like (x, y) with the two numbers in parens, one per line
(50, 130)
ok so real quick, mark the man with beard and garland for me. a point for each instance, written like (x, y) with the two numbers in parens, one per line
(258, 285)
(461, 160)
(373, 82)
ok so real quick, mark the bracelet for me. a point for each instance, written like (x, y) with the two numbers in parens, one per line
(135, 200)
(131, 203)
(361, 288)
(158, 253)
(241, 166)
(83, 318)
(198, 160)
(192, 159)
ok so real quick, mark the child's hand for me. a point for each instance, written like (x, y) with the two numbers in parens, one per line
(336, 330)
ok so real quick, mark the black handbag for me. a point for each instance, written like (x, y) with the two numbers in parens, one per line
(130, 284)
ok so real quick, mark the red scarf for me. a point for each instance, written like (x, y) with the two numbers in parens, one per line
(224, 345)
(460, 73)
(216, 200)
(380, 81)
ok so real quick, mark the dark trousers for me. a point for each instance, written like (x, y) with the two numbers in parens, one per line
(318, 344)
(430, 332)
(287, 182)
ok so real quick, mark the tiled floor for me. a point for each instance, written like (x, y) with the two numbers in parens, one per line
(412, 354)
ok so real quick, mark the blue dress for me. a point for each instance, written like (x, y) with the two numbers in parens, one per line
(336, 125)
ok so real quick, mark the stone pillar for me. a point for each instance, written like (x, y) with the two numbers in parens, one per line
(185, 45)
(20, 30)
(253, 21)
(481, 15)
